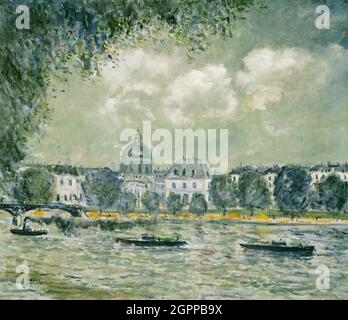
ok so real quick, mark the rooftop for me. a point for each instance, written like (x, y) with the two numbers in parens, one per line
(189, 169)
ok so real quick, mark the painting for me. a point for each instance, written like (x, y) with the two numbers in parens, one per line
(173, 150)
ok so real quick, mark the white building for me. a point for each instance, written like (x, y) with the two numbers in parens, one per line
(68, 188)
(188, 178)
(321, 171)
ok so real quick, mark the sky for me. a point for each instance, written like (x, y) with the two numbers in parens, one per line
(279, 85)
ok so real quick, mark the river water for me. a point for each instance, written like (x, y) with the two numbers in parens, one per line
(90, 265)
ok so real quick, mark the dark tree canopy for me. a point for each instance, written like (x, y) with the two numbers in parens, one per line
(126, 202)
(253, 191)
(174, 203)
(81, 34)
(223, 192)
(292, 189)
(151, 201)
(333, 194)
(34, 186)
(198, 205)
(102, 188)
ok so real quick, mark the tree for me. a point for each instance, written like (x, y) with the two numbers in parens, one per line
(34, 186)
(84, 34)
(102, 188)
(223, 192)
(198, 205)
(151, 201)
(174, 203)
(314, 198)
(292, 189)
(126, 202)
(333, 194)
(253, 191)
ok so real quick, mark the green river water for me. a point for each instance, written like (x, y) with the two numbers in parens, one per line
(89, 264)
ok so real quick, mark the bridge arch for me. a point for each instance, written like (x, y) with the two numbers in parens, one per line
(15, 209)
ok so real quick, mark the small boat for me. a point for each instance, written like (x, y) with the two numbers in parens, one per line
(28, 232)
(279, 247)
(153, 241)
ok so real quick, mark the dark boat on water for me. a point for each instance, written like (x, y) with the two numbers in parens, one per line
(28, 232)
(152, 241)
(279, 247)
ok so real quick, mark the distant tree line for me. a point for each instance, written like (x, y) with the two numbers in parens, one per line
(293, 192)
(102, 189)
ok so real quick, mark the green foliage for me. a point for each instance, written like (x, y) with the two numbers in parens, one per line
(292, 189)
(126, 202)
(253, 191)
(314, 198)
(102, 188)
(198, 205)
(223, 192)
(150, 201)
(333, 194)
(174, 203)
(34, 186)
(82, 34)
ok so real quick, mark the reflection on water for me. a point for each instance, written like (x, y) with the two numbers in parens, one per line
(88, 264)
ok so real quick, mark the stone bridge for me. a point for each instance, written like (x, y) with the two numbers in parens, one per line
(23, 208)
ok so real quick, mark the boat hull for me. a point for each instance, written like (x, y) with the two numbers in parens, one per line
(156, 243)
(33, 233)
(273, 248)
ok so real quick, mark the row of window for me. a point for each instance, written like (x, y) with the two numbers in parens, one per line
(324, 176)
(70, 182)
(184, 185)
(72, 197)
(176, 172)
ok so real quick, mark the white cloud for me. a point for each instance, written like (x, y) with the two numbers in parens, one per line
(142, 86)
(206, 92)
(269, 74)
(275, 130)
(110, 106)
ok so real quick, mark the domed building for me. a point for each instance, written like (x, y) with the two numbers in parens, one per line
(138, 177)
(132, 159)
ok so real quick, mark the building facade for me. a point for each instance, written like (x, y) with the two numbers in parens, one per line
(187, 178)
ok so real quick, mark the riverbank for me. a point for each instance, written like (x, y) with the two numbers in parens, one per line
(239, 217)
(268, 218)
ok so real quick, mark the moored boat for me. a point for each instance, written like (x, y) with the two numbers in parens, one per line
(279, 247)
(152, 241)
(28, 232)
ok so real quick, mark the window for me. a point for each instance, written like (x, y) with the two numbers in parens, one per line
(175, 172)
(174, 185)
(65, 197)
(61, 182)
(184, 172)
(70, 182)
(194, 185)
(58, 198)
(234, 179)
(185, 199)
(193, 173)
(81, 198)
(184, 185)
(269, 178)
